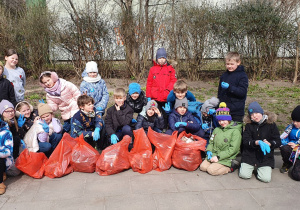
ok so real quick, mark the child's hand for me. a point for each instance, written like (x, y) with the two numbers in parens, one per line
(292, 145)
(42, 101)
(265, 148)
(114, 139)
(265, 140)
(205, 126)
(211, 111)
(177, 124)
(167, 107)
(209, 155)
(21, 121)
(117, 107)
(224, 85)
(45, 126)
(148, 99)
(214, 159)
(133, 121)
(36, 119)
(156, 111)
(96, 135)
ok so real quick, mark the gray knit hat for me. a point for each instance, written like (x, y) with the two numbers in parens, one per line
(210, 104)
(181, 102)
(151, 104)
(5, 104)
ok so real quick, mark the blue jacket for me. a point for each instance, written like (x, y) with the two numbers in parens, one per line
(294, 136)
(235, 95)
(6, 144)
(172, 97)
(192, 124)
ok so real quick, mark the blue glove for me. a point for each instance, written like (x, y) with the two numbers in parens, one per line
(177, 124)
(205, 126)
(96, 136)
(42, 101)
(211, 111)
(45, 126)
(114, 139)
(265, 148)
(23, 144)
(149, 99)
(133, 121)
(99, 109)
(167, 107)
(21, 121)
(209, 155)
(224, 85)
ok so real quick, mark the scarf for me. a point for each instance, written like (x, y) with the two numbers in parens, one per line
(91, 79)
(265, 117)
(89, 114)
(55, 90)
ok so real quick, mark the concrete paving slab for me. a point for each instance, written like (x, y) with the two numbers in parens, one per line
(29, 205)
(129, 202)
(80, 204)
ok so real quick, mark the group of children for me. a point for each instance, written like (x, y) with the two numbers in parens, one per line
(167, 106)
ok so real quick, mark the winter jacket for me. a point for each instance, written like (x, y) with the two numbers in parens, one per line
(235, 95)
(144, 122)
(294, 136)
(225, 143)
(18, 79)
(98, 91)
(172, 97)
(7, 91)
(116, 119)
(192, 124)
(67, 101)
(82, 124)
(268, 130)
(160, 82)
(28, 123)
(6, 144)
(138, 104)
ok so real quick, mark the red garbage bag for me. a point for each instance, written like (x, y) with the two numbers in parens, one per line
(164, 146)
(32, 163)
(58, 164)
(140, 157)
(187, 156)
(114, 158)
(84, 156)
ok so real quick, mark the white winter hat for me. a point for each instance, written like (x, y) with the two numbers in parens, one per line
(91, 66)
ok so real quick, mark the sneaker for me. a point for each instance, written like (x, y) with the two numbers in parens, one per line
(234, 165)
(284, 168)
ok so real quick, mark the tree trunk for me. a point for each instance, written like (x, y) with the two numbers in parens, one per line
(297, 54)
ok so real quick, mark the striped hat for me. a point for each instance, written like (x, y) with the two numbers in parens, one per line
(223, 113)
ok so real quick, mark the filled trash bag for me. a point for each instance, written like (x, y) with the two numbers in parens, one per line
(164, 146)
(187, 153)
(114, 158)
(58, 163)
(84, 156)
(32, 163)
(140, 157)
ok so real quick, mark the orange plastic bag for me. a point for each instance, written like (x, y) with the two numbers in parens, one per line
(58, 164)
(84, 156)
(164, 146)
(114, 158)
(187, 156)
(32, 163)
(140, 157)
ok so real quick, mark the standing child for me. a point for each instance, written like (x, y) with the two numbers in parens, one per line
(136, 97)
(224, 144)
(233, 86)
(260, 138)
(92, 85)
(7, 89)
(61, 95)
(15, 74)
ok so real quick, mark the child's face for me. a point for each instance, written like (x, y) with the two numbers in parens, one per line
(180, 95)
(296, 124)
(224, 123)
(135, 96)
(47, 117)
(181, 110)
(150, 112)
(89, 107)
(1, 70)
(25, 110)
(161, 61)
(256, 117)
(231, 65)
(9, 113)
(119, 100)
(93, 74)
(48, 82)
(12, 60)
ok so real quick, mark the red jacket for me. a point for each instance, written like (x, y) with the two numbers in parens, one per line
(160, 82)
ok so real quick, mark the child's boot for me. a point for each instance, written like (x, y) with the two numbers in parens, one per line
(2, 188)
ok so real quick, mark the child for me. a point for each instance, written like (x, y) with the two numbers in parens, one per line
(152, 118)
(224, 144)
(182, 120)
(15, 74)
(92, 85)
(7, 89)
(233, 86)
(6, 151)
(260, 138)
(46, 133)
(118, 118)
(290, 139)
(87, 121)
(61, 95)
(136, 97)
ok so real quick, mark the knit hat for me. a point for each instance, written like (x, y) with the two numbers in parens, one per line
(91, 66)
(254, 107)
(134, 88)
(181, 102)
(296, 114)
(43, 109)
(54, 77)
(161, 53)
(151, 104)
(19, 104)
(223, 113)
(5, 104)
(210, 104)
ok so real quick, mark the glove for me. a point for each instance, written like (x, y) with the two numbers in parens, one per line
(209, 155)
(42, 101)
(23, 144)
(167, 107)
(21, 121)
(99, 109)
(133, 121)
(265, 148)
(224, 85)
(211, 111)
(114, 139)
(149, 99)
(177, 124)
(96, 136)
(45, 126)
(205, 126)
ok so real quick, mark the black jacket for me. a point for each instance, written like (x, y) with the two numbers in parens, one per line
(7, 91)
(138, 104)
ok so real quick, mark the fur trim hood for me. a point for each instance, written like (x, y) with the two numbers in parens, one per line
(272, 117)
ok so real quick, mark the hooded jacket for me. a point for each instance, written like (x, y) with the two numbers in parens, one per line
(144, 122)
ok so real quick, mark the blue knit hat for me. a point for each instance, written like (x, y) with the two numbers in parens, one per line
(254, 107)
(223, 113)
(161, 53)
(134, 88)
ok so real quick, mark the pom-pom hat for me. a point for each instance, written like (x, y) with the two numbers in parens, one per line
(151, 104)
(223, 113)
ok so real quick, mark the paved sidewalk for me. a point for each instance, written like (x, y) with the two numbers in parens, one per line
(172, 189)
